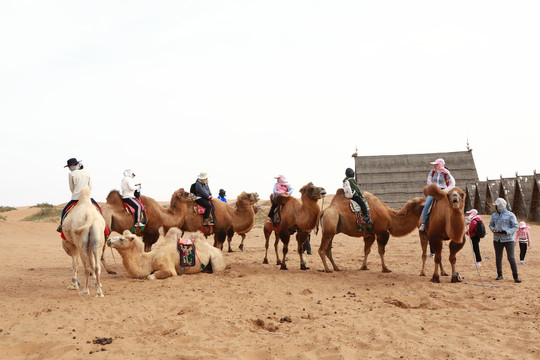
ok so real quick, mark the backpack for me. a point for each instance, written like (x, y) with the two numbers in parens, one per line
(480, 229)
(192, 188)
(446, 179)
(347, 189)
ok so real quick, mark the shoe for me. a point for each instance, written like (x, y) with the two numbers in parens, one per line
(499, 277)
(521, 262)
(139, 224)
(206, 222)
(422, 227)
(476, 265)
(516, 280)
(524, 263)
(59, 228)
(431, 255)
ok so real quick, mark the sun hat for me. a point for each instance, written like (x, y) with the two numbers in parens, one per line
(438, 162)
(523, 225)
(202, 176)
(472, 213)
(71, 162)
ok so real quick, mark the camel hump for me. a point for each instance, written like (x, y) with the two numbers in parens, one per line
(114, 198)
(85, 194)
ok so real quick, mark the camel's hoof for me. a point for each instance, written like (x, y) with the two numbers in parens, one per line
(100, 295)
(265, 261)
(241, 247)
(304, 267)
(151, 277)
(364, 268)
(283, 267)
(278, 262)
(328, 271)
(385, 270)
(84, 292)
(435, 280)
(456, 277)
(230, 250)
(444, 274)
(422, 274)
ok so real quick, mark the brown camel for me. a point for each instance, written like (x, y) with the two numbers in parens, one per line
(446, 223)
(118, 219)
(297, 215)
(338, 218)
(243, 216)
(182, 207)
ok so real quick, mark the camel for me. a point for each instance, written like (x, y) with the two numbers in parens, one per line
(118, 219)
(243, 216)
(163, 261)
(446, 223)
(338, 218)
(182, 207)
(297, 215)
(84, 230)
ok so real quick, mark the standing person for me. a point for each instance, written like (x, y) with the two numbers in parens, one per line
(78, 179)
(443, 179)
(281, 187)
(221, 195)
(473, 221)
(504, 224)
(524, 239)
(357, 194)
(204, 196)
(128, 186)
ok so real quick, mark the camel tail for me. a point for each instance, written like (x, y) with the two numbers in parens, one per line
(86, 226)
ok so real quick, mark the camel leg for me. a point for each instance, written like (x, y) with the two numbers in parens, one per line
(423, 244)
(368, 242)
(241, 246)
(103, 259)
(96, 241)
(219, 239)
(84, 255)
(160, 274)
(150, 239)
(230, 234)
(325, 250)
(436, 246)
(454, 248)
(285, 237)
(301, 237)
(382, 240)
(267, 234)
(71, 250)
(276, 243)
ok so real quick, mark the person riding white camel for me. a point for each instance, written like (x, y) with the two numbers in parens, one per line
(129, 186)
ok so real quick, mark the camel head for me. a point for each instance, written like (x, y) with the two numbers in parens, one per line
(181, 196)
(124, 241)
(250, 198)
(456, 198)
(312, 192)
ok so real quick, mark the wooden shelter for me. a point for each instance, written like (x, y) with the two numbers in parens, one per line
(396, 179)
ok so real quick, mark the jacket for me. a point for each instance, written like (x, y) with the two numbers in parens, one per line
(202, 190)
(506, 222)
(354, 186)
(78, 180)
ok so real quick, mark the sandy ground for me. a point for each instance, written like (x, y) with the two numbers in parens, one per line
(256, 311)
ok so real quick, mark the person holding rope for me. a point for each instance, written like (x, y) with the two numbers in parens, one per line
(473, 221)
(504, 224)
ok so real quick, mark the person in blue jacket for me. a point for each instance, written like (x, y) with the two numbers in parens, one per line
(504, 224)
(221, 195)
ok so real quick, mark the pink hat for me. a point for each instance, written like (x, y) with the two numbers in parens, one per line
(472, 214)
(281, 179)
(522, 225)
(439, 162)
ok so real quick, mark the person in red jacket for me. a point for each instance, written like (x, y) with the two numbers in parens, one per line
(473, 221)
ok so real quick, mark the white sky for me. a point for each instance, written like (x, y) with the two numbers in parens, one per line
(247, 90)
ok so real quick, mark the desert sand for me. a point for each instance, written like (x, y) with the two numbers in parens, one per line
(257, 311)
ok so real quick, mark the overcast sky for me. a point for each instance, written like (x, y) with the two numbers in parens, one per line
(247, 90)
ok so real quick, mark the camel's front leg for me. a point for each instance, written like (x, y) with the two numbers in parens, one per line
(285, 237)
(368, 242)
(301, 237)
(454, 248)
(436, 246)
(71, 250)
(382, 240)
(423, 244)
(276, 243)
(230, 234)
(267, 234)
(325, 250)
(241, 246)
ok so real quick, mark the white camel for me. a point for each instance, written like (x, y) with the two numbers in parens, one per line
(163, 260)
(84, 230)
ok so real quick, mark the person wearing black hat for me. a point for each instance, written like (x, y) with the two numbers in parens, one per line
(78, 179)
(357, 194)
(221, 195)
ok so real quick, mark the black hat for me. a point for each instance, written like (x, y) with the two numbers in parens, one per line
(221, 192)
(72, 161)
(349, 172)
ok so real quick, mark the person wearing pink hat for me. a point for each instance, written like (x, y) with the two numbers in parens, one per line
(281, 187)
(444, 180)
(524, 238)
(473, 221)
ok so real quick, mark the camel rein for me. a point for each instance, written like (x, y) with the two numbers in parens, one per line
(478, 268)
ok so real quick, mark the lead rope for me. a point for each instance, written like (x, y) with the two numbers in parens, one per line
(318, 216)
(477, 267)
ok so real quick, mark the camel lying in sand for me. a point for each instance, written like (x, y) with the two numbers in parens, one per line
(243, 216)
(446, 223)
(296, 216)
(338, 218)
(84, 230)
(163, 260)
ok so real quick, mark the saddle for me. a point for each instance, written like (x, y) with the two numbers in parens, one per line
(198, 209)
(187, 253)
(357, 211)
(276, 220)
(107, 231)
(131, 211)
